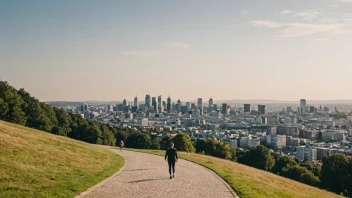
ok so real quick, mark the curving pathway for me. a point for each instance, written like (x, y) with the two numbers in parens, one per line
(146, 175)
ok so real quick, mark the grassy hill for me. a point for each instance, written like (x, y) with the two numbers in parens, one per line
(39, 164)
(251, 182)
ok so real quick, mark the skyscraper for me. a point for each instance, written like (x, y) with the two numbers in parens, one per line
(164, 106)
(303, 106)
(247, 108)
(188, 105)
(148, 101)
(168, 104)
(135, 102)
(155, 104)
(261, 109)
(110, 108)
(160, 104)
(200, 103)
(224, 108)
(211, 102)
(124, 103)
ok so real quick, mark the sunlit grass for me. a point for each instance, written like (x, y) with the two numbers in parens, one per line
(39, 164)
(251, 182)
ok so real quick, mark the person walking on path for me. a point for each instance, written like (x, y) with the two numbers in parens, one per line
(171, 155)
(122, 144)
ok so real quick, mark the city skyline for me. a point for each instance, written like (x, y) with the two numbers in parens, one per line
(243, 50)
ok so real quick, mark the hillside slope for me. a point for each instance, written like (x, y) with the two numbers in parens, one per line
(249, 182)
(39, 164)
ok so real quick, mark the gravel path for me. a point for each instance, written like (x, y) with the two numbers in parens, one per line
(146, 175)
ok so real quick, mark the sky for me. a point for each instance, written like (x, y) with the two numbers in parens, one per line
(234, 49)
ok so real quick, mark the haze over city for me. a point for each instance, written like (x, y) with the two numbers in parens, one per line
(89, 50)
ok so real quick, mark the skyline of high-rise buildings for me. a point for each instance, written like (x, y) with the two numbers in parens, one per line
(159, 106)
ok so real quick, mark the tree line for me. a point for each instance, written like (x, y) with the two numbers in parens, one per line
(19, 107)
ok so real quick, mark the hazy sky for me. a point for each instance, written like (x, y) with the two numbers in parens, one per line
(110, 50)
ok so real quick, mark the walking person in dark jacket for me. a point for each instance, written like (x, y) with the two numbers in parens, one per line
(171, 155)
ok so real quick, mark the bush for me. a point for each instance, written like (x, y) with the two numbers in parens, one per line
(259, 157)
(156, 144)
(139, 141)
(183, 142)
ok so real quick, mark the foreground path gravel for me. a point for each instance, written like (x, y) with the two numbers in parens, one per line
(146, 175)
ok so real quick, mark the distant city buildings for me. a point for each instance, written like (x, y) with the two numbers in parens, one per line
(261, 109)
(279, 126)
(148, 101)
(247, 108)
(135, 102)
(303, 106)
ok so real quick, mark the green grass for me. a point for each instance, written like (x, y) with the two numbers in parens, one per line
(39, 164)
(251, 182)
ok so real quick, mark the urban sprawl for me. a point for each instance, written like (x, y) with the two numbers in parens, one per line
(305, 132)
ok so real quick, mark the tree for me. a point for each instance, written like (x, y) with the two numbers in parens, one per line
(78, 125)
(233, 154)
(259, 157)
(139, 141)
(310, 179)
(35, 115)
(93, 133)
(300, 174)
(223, 150)
(63, 126)
(348, 168)
(50, 114)
(201, 146)
(4, 108)
(183, 142)
(11, 104)
(281, 163)
(314, 168)
(120, 135)
(155, 143)
(334, 174)
(108, 137)
(165, 142)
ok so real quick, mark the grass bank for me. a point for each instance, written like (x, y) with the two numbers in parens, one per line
(38, 164)
(249, 182)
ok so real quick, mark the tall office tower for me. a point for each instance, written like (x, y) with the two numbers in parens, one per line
(289, 109)
(124, 103)
(173, 106)
(135, 104)
(224, 108)
(261, 109)
(110, 108)
(160, 104)
(85, 107)
(300, 152)
(200, 103)
(311, 109)
(211, 102)
(303, 106)
(164, 106)
(168, 104)
(188, 106)
(148, 101)
(155, 104)
(247, 108)
(193, 105)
